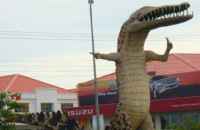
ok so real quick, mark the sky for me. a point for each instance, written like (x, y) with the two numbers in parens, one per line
(49, 40)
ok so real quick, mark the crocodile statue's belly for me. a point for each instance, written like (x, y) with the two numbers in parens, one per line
(134, 89)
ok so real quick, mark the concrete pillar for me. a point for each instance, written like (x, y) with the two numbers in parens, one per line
(157, 122)
(94, 122)
(38, 106)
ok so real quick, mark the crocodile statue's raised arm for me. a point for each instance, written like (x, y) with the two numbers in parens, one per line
(130, 59)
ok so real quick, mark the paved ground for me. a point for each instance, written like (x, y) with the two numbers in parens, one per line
(21, 126)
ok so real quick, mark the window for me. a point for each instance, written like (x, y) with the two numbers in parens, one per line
(66, 105)
(46, 107)
(23, 107)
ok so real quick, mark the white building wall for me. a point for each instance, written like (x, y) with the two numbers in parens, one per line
(47, 95)
(30, 99)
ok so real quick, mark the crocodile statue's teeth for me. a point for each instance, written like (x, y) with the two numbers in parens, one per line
(187, 12)
(171, 9)
(176, 9)
(183, 7)
(180, 8)
(154, 14)
(165, 11)
(161, 11)
(157, 12)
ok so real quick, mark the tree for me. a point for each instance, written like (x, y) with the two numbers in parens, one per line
(7, 116)
(187, 124)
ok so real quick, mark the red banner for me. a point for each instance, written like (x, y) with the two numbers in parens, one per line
(176, 104)
(80, 111)
(87, 111)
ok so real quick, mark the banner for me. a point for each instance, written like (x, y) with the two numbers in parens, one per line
(163, 87)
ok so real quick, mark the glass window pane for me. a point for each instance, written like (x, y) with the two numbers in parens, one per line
(46, 107)
(23, 107)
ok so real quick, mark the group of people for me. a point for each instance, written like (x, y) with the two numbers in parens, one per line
(50, 121)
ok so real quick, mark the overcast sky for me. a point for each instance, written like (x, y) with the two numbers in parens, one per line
(49, 40)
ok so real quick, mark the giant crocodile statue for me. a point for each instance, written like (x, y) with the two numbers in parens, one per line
(130, 58)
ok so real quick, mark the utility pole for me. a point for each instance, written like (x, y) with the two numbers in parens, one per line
(91, 2)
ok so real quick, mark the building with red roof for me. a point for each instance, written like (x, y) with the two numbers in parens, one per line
(37, 95)
(175, 90)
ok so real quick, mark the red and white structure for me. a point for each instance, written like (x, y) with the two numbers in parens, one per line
(36, 96)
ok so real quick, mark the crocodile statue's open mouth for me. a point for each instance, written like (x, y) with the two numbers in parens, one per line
(168, 13)
(148, 18)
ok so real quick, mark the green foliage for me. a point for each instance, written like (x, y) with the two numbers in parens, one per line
(187, 124)
(7, 116)
(8, 126)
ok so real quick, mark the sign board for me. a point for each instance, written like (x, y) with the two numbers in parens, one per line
(88, 111)
(82, 111)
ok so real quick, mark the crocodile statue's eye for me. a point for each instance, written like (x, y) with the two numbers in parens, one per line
(139, 15)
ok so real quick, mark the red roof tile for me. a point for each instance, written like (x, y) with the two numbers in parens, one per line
(177, 63)
(4, 81)
(19, 84)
